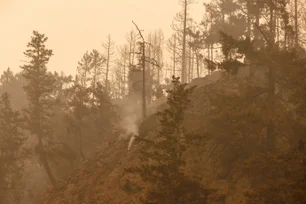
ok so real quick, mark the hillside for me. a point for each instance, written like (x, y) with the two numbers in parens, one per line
(220, 160)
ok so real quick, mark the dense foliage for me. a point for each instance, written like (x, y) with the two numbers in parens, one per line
(162, 159)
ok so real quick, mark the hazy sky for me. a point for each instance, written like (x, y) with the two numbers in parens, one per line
(74, 26)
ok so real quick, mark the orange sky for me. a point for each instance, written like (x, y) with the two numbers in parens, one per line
(74, 26)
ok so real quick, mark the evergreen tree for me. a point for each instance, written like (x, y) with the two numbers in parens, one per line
(104, 112)
(7, 77)
(13, 83)
(39, 88)
(11, 140)
(97, 61)
(78, 98)
(84, 68)
(163, 158)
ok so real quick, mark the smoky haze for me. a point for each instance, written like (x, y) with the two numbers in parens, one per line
(152, 101)
(76, 26)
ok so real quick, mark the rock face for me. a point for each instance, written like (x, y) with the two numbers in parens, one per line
(101, 178)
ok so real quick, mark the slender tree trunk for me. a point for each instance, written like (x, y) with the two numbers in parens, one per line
(257, 16)
(277, 29)
(174, 55)
(124, 80)
(107, 65)
(149, 83)
(80, 141)
(192, 66)
(144, 106)
(211, 54)
(271, 89)
(296, 23)
(94, 84)
(275, 24)
(184, 76)
(272, 29)
(209, 58)
(43, 155)
(133, 47)
(158, 56)
(130, 54)
(39, 133)
(45, 162)
(189, 63)
(198, 67)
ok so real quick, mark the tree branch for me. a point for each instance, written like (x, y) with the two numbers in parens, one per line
(138, 31)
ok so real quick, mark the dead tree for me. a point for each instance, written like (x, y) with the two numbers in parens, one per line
(144, 108)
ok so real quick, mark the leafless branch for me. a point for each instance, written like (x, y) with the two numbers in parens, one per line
(138, 31)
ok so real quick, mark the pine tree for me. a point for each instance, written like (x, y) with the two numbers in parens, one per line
(97, 61)
(39, 88)
(163, 158)
(84, 68)
(78, 98)
(172, 47)
(7, 77)
(11, 140)
(104, 112)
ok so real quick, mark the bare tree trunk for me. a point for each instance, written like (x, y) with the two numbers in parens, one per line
(124, 79)
(149, 83)
(174, 55)
(198, 67)
(189, 63)
(192, 66)
(211, 54)
(184, 77)
(94, 85)
(144, 106)
(130, 53)
(107, 62)
(131, 47)
(209, 58)
(158, 56)
(257, 16)
(277, 29)
(296, 23)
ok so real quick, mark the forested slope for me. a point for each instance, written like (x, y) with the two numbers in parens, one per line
(230, 155)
